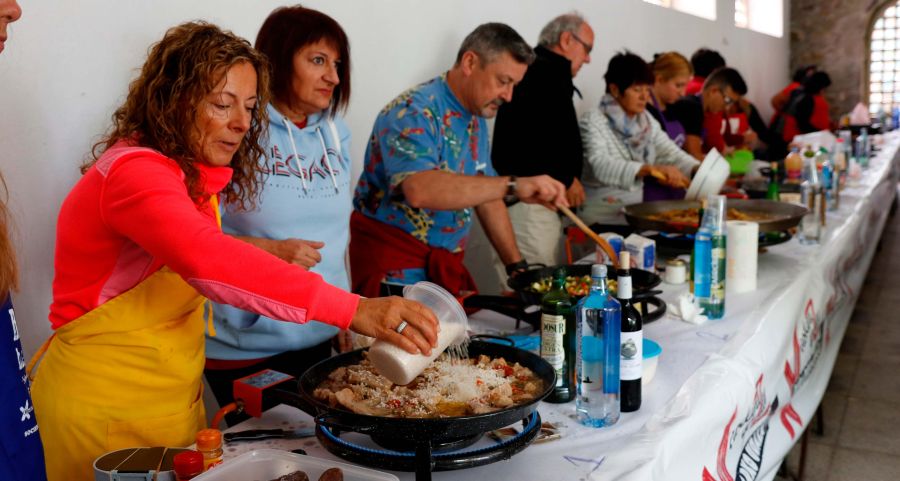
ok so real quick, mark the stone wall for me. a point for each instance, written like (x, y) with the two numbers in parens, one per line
(833, 34)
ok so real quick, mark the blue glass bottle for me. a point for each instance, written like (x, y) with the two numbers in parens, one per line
(598, 316)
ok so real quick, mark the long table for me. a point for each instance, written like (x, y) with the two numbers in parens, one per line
(730, 397)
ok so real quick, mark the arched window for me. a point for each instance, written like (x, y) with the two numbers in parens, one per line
(884, 59)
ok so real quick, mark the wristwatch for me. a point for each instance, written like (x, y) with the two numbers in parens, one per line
(510, 198)
(520, 266)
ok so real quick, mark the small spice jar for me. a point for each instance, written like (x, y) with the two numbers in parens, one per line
(187, 465)
(209, 443)
(676, 272)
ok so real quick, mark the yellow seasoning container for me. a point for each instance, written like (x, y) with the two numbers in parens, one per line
(209, 443)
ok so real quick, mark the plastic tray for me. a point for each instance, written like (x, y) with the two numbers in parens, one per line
(268, 464)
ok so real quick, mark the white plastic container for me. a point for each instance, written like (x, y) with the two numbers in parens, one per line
(710, 177)
(401, 367)
(266, 464)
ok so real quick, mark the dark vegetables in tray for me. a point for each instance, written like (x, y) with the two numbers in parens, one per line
(333, 474)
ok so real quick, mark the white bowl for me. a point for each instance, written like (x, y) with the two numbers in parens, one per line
(710, 177)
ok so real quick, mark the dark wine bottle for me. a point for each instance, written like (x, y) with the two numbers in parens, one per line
(558, 338)
(632, 351)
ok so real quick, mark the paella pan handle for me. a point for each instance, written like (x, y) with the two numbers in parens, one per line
(590, 233)
(333, 423)
(490, 336)
(644, 295)
(289, 395)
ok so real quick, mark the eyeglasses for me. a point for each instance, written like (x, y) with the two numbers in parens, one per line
(587, 47)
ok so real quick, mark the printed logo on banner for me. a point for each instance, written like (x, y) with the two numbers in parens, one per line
(807, 348)
(749, 436)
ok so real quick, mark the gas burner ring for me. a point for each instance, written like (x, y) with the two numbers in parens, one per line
(423, 460)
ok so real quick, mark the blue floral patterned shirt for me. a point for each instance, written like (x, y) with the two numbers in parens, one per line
(425, 128)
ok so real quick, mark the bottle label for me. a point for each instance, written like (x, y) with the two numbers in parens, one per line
(591, 352)
(717, 273)
(631, 355)
(702, 265)
(623, 289)
(553, 328)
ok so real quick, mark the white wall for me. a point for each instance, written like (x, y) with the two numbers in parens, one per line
(67, 64)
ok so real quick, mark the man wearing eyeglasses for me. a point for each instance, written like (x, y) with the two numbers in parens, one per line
(537, 132)
(719, 92)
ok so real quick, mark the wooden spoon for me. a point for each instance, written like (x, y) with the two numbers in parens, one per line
(587, 230)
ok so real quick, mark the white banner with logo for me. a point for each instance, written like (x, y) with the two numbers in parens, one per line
(740, 413)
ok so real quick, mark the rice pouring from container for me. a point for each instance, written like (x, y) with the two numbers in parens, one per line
(401, 367)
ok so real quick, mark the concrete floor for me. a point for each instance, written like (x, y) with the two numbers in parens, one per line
(861, 406)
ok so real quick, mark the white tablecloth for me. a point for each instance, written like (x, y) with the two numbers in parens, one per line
(730, 397)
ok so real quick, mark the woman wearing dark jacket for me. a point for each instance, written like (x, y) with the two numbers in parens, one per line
(807, 109)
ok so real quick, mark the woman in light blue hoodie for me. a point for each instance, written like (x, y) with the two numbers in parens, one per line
(304, 208)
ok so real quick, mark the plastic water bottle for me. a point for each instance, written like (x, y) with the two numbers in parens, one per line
(793, 165)
(714, 221)
(599, 319)
(829, 186)
(840, 159)
(702, 262)
(811, 195)
(862, 148)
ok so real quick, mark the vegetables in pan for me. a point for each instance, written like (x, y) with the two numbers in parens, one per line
(576, 285)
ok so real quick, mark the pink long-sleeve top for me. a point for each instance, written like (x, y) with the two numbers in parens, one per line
(131, 214)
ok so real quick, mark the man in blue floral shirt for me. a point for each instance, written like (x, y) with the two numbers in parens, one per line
(428, 167)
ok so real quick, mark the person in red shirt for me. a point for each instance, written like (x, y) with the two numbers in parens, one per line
(807, 109)
(139, 249)
(694, 111)
(780, 100)
(704, 61)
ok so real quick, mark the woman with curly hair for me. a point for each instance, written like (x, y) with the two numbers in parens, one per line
(138, 247)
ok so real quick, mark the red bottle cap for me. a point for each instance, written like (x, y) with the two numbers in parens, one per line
(188, 464)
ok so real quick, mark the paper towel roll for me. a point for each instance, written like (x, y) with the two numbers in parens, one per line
(741, 252)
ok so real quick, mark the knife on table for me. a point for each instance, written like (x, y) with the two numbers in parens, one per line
(257, 434)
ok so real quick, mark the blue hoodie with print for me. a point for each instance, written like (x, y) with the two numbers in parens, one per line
(306, 195)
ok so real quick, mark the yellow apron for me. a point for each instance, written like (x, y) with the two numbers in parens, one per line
(125, 374)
